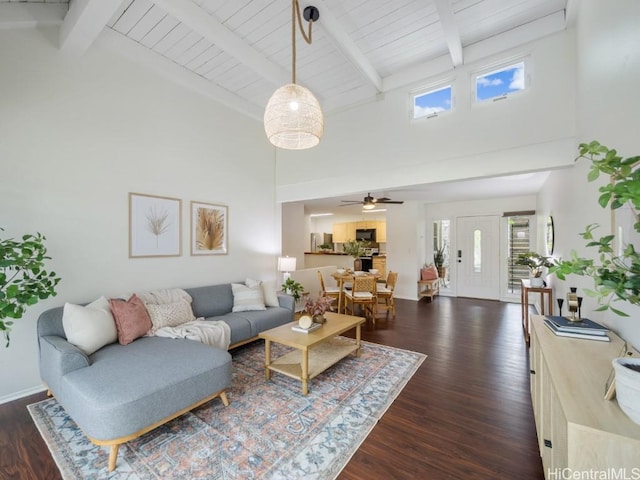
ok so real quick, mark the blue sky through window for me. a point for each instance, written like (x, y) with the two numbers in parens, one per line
(500, 82)
(432, 102)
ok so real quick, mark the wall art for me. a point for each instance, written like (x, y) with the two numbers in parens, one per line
(154, 226)
(209, 229)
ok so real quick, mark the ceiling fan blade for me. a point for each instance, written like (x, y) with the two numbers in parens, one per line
(396, 202)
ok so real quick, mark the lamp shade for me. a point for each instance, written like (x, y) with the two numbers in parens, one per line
(286, 264)
(293, 118)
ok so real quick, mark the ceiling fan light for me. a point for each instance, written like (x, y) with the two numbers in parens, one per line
(293, 118)
(369, 206)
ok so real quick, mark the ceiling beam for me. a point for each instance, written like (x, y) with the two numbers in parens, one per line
(501, 43)
(450, 29)
(84, 22)
(213, 30)
(347, 46)
(31, 15)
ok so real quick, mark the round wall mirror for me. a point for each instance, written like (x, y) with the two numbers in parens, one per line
(550, 235)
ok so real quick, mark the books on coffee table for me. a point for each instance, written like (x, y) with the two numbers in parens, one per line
(588, 334)
(314, 326)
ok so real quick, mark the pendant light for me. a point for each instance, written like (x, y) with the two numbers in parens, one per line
(293, 117)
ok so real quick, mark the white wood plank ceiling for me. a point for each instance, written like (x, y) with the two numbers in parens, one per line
(239, 51)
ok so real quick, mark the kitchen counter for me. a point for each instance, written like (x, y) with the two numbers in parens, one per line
(325, 253)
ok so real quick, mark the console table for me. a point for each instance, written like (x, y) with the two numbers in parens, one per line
(578, 430)
(525, 289)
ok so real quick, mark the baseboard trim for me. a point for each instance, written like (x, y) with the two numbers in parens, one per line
(22, 393)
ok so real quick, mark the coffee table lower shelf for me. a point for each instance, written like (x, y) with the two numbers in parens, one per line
(320, 358)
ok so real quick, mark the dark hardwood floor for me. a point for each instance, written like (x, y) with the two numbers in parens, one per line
(465, 414)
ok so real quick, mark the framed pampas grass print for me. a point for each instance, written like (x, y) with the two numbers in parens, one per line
(155, 224)
(209, 229)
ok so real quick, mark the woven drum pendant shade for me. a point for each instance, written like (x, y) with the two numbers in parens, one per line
(293, 118)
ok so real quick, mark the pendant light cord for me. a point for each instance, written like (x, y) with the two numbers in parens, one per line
(295, 14)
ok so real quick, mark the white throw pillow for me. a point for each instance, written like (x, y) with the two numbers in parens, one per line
(247, 298)
(89, 328)
(268, 291)
(169, 314)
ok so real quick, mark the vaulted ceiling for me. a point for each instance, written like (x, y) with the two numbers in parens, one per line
(239, 51)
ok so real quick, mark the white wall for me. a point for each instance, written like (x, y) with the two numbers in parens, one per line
(78, 134)
(377, 147)
(608, 101)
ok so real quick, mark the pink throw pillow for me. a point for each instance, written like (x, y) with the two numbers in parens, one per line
(132, 319)
(429, 273)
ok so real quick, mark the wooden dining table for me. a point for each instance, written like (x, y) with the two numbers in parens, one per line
(345, 277)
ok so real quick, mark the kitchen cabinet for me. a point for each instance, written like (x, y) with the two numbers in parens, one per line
(381, 264)
(343, 232)
(578, 431)
(381, 232)
(339, 231)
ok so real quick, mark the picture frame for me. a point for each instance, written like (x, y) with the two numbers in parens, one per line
(610, 384)
(209, 229)
(155, 226)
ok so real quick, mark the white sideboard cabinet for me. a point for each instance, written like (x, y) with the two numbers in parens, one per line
(579, 432)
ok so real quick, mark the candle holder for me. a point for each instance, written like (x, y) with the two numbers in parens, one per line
(560, 302)
(579, 308)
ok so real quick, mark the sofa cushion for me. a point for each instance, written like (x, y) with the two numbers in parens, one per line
(89, 328)
(211, 301)
(169, 314)
(127, 388)
(247, 298)
(268, 291)
(265, 320)
(132, 319)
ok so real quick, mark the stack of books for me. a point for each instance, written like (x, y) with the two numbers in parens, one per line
(314, 326)
(585, 328)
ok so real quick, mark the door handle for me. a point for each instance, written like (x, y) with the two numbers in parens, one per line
(459, 256)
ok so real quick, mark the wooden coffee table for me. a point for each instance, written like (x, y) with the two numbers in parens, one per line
(314, 352)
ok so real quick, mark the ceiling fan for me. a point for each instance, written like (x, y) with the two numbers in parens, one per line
(370, 202)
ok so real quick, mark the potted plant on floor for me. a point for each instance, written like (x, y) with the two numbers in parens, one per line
(23, 279)
(536, 263)
(355, 248)
(616, 274)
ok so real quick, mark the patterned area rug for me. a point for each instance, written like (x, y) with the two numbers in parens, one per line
(269, 431)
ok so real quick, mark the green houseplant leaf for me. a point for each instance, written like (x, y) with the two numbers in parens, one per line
(23, 279)
(616, 276)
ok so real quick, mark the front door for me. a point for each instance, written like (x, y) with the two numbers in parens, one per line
(478, 257)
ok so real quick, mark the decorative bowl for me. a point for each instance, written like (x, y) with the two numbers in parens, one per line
(358, 273)
(628, 386)
(373, 270)
(341, 271)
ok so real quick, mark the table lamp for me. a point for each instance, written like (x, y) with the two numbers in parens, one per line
(286, 265)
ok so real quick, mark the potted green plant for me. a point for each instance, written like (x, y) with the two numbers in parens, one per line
(616, 274)
(536, 263)
(325, 247)
(438, 261)
(293, 288)
(355, 248)
(23, 279)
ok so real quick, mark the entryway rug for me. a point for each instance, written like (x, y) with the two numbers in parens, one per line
(269, 431)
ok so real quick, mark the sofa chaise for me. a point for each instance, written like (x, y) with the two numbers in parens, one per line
(120, 392)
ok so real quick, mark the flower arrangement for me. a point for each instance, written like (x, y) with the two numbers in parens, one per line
(318, 306)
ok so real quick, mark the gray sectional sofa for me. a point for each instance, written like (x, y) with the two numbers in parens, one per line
(123, 391)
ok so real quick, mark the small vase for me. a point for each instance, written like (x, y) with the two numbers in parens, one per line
(319, 318)
(357, 265)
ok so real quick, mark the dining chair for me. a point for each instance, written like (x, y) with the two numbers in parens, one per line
(333, 292)
(363, 293)
(386, 293)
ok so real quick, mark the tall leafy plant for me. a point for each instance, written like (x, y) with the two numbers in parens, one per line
(23, 279)
(616, 275)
